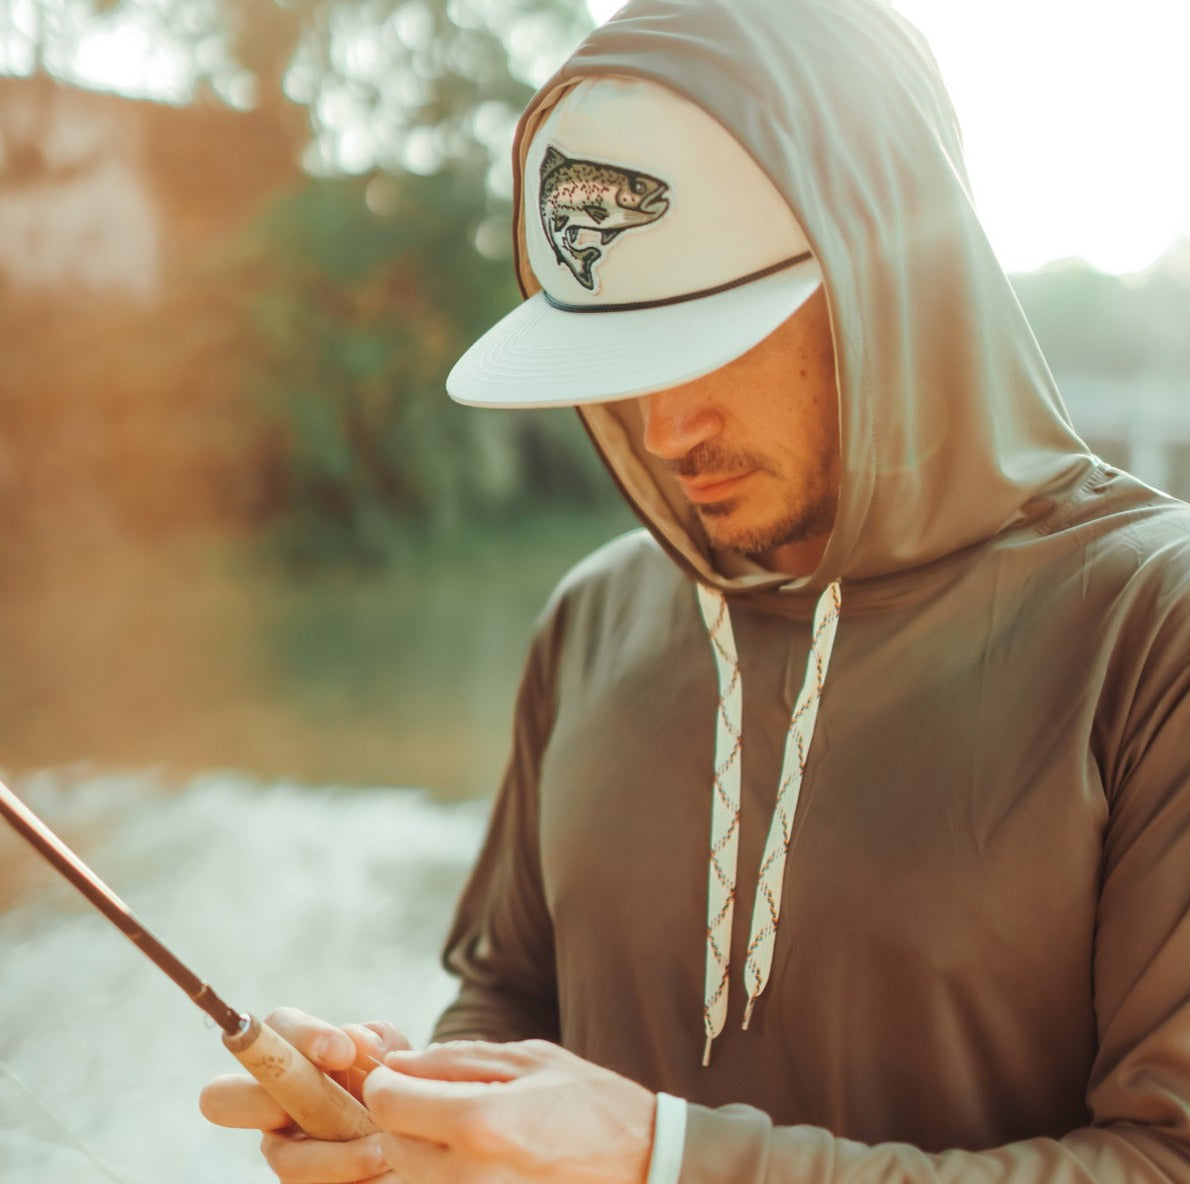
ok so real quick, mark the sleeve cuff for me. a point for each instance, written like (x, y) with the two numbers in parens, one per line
(669, 1137)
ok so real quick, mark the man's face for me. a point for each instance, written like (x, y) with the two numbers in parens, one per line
(755, 444)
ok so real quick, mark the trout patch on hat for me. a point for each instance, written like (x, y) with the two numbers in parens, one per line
(585, 205)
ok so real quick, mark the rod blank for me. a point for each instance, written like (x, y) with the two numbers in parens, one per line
(317, 1104)
(64, 860)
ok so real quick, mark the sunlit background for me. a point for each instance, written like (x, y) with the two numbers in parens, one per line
(264, 590)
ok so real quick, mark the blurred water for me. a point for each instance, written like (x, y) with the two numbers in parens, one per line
(333, 900)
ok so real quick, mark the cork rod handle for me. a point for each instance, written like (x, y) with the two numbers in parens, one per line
(321, 1107)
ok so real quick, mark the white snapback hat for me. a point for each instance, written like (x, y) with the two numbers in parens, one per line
(662, 249)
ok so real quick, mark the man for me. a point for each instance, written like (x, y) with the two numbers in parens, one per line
(912, 659)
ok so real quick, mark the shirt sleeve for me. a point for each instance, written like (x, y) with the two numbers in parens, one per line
(501, 942)
(1138, 1092)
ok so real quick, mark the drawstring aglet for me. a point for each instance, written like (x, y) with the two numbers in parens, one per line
(706, 1052)
(748, 1011)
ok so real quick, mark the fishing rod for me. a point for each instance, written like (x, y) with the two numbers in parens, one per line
(320, 1106)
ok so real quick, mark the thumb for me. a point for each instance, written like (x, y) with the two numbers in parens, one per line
(374, 1040)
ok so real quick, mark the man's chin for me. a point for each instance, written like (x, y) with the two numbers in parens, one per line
(759, 540)
(715, 518)
(723, 535)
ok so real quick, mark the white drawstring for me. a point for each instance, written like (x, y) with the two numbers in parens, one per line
(725, 810)
(725, 814)
(766, 910)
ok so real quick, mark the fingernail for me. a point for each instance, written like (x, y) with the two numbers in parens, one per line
(332, 1046)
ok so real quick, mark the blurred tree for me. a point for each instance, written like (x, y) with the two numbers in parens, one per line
(338, 311)
(1093, 324)
(392, 84)
(418, 85)
(356, 318)
(370, 287)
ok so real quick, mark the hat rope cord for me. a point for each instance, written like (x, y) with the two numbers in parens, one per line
(640, 305)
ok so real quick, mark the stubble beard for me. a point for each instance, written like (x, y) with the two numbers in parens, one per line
(801, 519)
(798, 523)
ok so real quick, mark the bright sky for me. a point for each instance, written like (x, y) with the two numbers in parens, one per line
(1075, 114)
(1076, 121)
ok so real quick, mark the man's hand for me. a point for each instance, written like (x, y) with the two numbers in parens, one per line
(509, 1114)
(347, 1054)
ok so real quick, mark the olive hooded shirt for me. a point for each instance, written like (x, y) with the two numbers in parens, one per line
(982, 967)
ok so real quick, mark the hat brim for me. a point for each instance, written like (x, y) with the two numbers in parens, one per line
(541, 356)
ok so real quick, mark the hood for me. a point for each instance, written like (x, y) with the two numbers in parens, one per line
(951, 427)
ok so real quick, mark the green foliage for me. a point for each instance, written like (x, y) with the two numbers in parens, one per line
(420, 84)
(371, 287)
(1092, 324)
(355, 320)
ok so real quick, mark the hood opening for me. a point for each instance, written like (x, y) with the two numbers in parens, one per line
(950, 422)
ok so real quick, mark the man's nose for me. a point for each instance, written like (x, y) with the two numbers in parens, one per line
(677, 420)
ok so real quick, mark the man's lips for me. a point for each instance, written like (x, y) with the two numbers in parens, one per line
(714, 488)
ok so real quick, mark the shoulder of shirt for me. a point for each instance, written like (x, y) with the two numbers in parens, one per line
(1153, 537)
(626, 567)
(627, 557)
(1126, 530)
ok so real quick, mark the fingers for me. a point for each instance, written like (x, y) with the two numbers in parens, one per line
(390, 1039)
(414, 1159)
(527, 1111)
(436, 1095)
(324, 1044)
(441, 1112)
(333, 1048)
(348, 1054)
(420, 1107)
(373, 1041)
(472, 1060)
(238, 1101)
(296, 1159)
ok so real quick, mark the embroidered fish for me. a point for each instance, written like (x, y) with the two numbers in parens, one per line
(585, 204)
